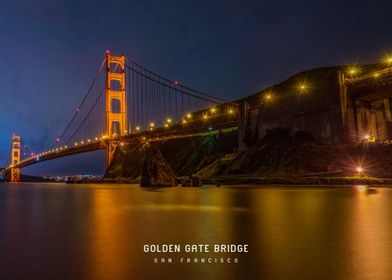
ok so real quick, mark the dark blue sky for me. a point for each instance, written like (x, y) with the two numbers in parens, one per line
(50, 50)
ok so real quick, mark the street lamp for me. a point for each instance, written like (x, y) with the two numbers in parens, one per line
(268, 97)
(352, 71)
(359, 170)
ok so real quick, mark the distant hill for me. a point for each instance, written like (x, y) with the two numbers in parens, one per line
(28, 178)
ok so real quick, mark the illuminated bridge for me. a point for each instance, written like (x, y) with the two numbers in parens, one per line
(127, 102)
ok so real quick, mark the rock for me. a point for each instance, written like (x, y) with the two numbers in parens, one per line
(192, 182)
(196, 182)
(156, 172)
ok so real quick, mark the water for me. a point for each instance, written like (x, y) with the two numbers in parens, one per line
(50, 231)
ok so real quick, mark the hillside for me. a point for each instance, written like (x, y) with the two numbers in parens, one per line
(280, 153)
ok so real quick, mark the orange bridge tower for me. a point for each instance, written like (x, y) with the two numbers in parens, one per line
(116, 106)
(15, 158)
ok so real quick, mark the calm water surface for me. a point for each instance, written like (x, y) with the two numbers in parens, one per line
(54, 231)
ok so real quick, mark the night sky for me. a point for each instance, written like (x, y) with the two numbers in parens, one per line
(50, 50)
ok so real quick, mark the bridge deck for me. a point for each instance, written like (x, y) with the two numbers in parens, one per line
(160, 134)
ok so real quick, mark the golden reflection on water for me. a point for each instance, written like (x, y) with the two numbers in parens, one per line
(371, 231)
(98, 231)
(108, 233)
(121, 225)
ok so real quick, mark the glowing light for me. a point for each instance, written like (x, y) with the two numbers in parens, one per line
(205, 117)
(268, 97)
(388, 60)
(376, 75)
(213, 110)
(57, 139)
(231, 111)
(359, 169)
(361, 187)
(96, 138)
(137, 128)
(81, 142)
(89, 140)
(76, 144)
(168, 120)
(366, 137)
(152, 124)
(176, 82)
(166, 125)
(184, 121)
(121, 144)
(189, 115)
(303, 87)
(352, 71)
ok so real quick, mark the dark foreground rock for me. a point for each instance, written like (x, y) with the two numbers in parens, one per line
(277, 158)
(156, 172)
(192, 182)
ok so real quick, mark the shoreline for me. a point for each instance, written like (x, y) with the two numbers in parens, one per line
(300, 181)
(255, 181)
(274, 181)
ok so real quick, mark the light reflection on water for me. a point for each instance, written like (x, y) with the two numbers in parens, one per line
(98, 231)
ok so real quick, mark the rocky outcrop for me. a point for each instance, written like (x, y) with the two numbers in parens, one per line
(277, 154)
(184, 156)
(156, 172)
(127, 163)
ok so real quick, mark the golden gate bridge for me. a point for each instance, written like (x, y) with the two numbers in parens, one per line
(126, 102)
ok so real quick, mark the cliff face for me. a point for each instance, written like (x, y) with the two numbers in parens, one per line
(127, 161)
(156, 171)
(275, 155)
(291, 134)
(186, 156)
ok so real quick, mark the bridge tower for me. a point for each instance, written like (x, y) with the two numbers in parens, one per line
(116, 106)
(15, 158)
